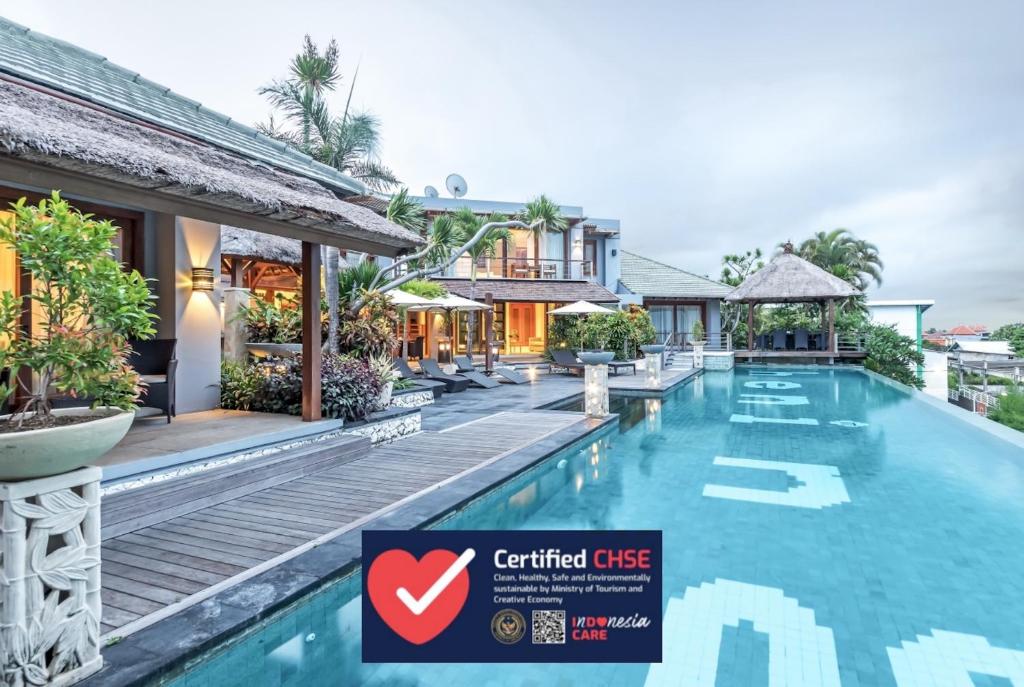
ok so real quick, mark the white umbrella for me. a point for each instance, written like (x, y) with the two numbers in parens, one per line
(406, 302)
(581, 308)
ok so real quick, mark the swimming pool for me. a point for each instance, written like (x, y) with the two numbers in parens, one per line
(820, 528)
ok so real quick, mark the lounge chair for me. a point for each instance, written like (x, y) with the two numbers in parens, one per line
(779, 340)
(453, 383)
(406, 372)
(481, 380)
(566, 360)
(800, 340)
(465, 365)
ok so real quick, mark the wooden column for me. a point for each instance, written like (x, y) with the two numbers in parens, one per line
(311, 405)
(488, 331)
(750, 326)
(831, 325)
(237, 272)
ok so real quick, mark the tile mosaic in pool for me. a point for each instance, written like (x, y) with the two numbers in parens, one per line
(905, 569)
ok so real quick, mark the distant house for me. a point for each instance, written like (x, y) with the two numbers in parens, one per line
(675, 298)
(980, 351)
(969, 332)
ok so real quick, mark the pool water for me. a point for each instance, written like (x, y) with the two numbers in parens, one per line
(847, 534)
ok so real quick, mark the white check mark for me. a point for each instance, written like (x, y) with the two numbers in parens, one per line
(418, 606)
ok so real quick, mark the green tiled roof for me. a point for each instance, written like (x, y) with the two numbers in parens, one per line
(646, 277)
(58, 65)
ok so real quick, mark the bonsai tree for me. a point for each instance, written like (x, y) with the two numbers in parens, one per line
(85, 307)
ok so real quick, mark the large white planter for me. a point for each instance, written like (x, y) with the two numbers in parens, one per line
(52, 451)
(50, 605)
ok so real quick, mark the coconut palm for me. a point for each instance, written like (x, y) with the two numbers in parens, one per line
(544, 210)
(844, 255)
(406, 212)
(467, 224)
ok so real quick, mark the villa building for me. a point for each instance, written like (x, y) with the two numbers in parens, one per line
(170, 173)
(530, 274)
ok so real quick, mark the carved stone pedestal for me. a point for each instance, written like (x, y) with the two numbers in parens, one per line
(50, 579)
(595, 390)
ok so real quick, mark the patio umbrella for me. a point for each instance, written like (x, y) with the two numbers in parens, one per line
(579, 309)
(452, 303)
(406, 302)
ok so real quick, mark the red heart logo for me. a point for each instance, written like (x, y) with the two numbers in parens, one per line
(395, 569)
(602, 621)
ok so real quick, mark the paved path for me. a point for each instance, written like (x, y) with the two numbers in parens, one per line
(167, 544)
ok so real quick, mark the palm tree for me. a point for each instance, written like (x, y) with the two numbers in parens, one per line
(467, 224)
(544, 210)
(844, 255)
(406, 212)
(348, 144)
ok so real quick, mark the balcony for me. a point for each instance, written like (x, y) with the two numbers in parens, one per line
(529, 268)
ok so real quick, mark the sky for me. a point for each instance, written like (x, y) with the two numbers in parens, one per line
(705, 127)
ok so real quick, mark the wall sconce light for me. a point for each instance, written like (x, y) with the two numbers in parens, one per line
(202, 279)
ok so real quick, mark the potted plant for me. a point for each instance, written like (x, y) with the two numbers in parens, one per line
(273, 329)
(385, 370)
(85, 307)
(594, 333)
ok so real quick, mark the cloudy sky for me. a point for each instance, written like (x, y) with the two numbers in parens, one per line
(706, 127)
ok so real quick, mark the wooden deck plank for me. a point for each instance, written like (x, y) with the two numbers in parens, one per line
(174, 539)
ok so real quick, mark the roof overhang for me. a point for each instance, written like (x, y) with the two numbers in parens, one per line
(529, 290)
(49, 142)
(924, 304)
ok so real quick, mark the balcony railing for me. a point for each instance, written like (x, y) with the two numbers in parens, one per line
(529, 268)
(713, 341)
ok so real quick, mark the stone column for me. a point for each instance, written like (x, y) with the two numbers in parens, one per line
(595, 394)
(235, 300)
(652, 367)
(50, 606)
(698, 355)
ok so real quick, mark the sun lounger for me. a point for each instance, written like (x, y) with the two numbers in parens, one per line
(615, 366)
(478, 378)
(406, 372)
(566, 360)
(431, 370)
(465, 364)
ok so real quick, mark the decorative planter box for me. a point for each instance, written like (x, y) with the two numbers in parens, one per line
(412, 398)
(387, 425)
(719, 360)
(50, 605)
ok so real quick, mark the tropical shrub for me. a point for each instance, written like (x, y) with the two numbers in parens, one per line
(1010, 411)
(371, 331)
(893, 355)
(698, 331)
(278, 322)
(85, 305)
(350, 388)
(622, 332)
(424, 288)
(240, 385)
(355, 280)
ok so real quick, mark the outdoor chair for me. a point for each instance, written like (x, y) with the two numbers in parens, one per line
(565, 360)
(465, 365)
(800, 340)
(154, 361)
(472, 374)
(616, 365)
(779, 340)
(431, 370)
(406, 372)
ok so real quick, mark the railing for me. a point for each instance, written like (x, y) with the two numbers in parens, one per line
(713, 341)
(802, 340)
(975, 401)
(524, 268)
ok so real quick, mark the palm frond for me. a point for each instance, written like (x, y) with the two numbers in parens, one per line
(545, 210)
(374, 174)
(406, 212)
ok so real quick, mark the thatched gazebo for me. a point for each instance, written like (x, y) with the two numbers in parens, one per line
(788, 278)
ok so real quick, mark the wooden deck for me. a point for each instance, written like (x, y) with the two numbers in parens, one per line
(167, 544)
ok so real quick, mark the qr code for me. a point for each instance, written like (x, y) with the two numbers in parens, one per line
(549, 627)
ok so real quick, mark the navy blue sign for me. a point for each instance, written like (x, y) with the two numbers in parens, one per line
(487, 596)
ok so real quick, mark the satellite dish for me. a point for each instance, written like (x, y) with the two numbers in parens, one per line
(430, 192)
(456, 185)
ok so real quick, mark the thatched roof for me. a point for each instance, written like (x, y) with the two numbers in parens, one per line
(56, 132)
(252, 245)
(788, 278)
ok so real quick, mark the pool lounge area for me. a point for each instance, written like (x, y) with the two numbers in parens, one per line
(821, 527)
